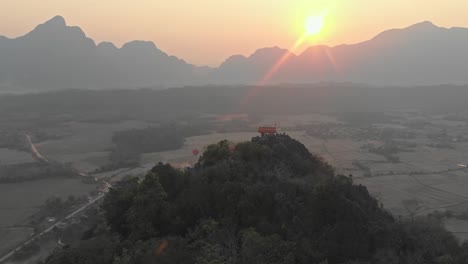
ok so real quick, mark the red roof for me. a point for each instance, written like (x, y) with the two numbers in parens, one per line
(266, 130)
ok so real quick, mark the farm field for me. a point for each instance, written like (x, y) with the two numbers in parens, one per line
(47, 246)
(84, 162)
(12, 236)
(20, 200)
(85, 145)
(391, 190)
(457, 227)
(13, 157)
(286, 121)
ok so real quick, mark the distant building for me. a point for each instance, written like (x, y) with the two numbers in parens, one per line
(267, 130)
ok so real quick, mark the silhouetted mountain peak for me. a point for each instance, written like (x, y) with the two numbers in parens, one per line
(424, 25)
(107, 46)
(315, 49)
(107, 49)
(145, 50)
(234, 60)
(413, 31)
(56, 29)
(270, 51)
(139, 45)
(56, 21)
(237, 57)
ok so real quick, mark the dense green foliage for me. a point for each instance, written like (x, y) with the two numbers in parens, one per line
(266, 201)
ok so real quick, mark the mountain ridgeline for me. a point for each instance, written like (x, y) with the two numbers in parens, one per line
(264, 201)
(57, 56)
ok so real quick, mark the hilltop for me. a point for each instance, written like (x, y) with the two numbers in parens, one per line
(264, 201)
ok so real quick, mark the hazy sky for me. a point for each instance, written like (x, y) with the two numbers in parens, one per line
(205, 32)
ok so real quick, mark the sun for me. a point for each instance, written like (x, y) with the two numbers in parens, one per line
(314, 24)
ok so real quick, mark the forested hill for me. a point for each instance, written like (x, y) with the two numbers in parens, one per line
(264, 201)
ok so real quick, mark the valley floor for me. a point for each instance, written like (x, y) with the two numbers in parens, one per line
(435, 174)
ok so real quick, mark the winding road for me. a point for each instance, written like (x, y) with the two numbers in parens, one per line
(34, 150)
(39, 156)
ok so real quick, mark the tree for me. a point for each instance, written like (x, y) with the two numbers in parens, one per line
(117, 203)
(413, 207)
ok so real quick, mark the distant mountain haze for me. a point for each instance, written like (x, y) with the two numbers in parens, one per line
(57, 56)
(422, 54)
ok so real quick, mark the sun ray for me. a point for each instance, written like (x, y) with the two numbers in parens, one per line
(313, 26)
(266, 78)
(332, 60)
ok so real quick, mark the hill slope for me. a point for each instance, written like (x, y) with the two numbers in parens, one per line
(264, 201)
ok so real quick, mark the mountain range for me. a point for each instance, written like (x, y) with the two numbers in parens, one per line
(57, 56)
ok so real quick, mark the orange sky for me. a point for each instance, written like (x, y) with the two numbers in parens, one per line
(205, 32)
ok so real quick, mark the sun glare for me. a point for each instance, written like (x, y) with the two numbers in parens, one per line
(314, 25)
